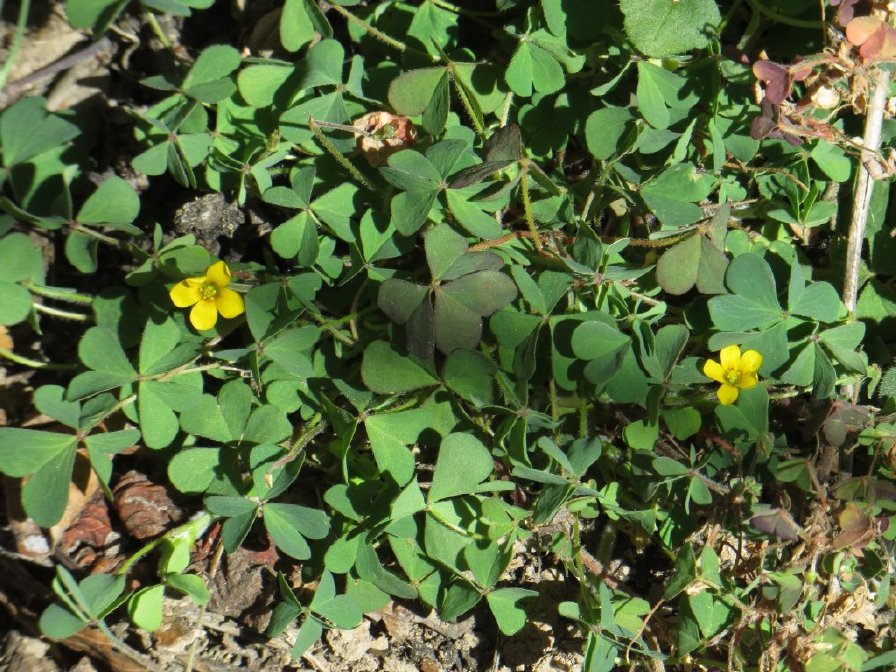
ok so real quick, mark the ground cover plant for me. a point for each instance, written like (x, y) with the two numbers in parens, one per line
(410, 297)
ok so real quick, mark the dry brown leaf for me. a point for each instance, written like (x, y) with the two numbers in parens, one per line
(145, 508)
(6, 338)
(382, 135)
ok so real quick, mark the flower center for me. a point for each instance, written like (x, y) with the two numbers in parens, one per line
(732, 376)
(208, 291)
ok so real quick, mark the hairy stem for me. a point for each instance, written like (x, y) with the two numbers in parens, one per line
(59, 294)
(56, 312)
(527, 206)
(21, 27)
(374, 32)
(33, 363)
(341, 159)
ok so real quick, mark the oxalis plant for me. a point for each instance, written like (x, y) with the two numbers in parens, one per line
(607, 285)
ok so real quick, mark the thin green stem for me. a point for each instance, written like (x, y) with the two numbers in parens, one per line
(555, 405)
(158, 32)
(341, 159)
(444, 4)
(21, 27)
(316, 425)
(130, 562)
(87, 231)
(374, 32)
(439, 518)
(127, 401)
(338, 335)
(56, 312)
(33, 363)
(732, 12)
(527, 206)
(644, 298)
(59, 293)
(711, 484)
(204, 367)
(344, 127)
(605, 544)
(583, 417)
(785, 20)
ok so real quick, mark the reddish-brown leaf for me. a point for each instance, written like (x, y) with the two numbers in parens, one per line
(776, 79)
(860, 29)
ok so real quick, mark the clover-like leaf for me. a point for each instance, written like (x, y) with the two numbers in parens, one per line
(660, 28)
(463, 463)
(693, 261)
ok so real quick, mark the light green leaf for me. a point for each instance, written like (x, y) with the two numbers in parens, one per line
(469, 374)
(15, 303)
(411, 91)
(410, 210)
(258, 84)
(287, 539)
(190, 585)
(754, 303)
(56, 622)
(411, 171)
(832, 160)
(213, 63)
(296, 28)
(114, 204)
(386, 372)
(204, 418)
(24, 451)
(45, 495)
(291, 349)
(693, 261)
(504, 603)
(20, 259)
(27, 130)
(100, 350)
(672, 195)
(463, 463)
(660, 28)
(145, 607)
(605, 130)
(650, 98)
(533, 67)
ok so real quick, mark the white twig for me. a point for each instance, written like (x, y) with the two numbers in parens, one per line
(864, 187)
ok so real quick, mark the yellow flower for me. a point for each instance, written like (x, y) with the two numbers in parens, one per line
(209, 295)
(735, 371)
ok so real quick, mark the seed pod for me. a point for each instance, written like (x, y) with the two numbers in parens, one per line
(382, 134)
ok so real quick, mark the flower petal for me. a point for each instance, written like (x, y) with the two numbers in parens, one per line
(219, 273)
(727, 394)
(186, 292)
(750, 361)
(229, 303)
(712, 369)
(730, 357)
(747, 380)
(204, 315)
